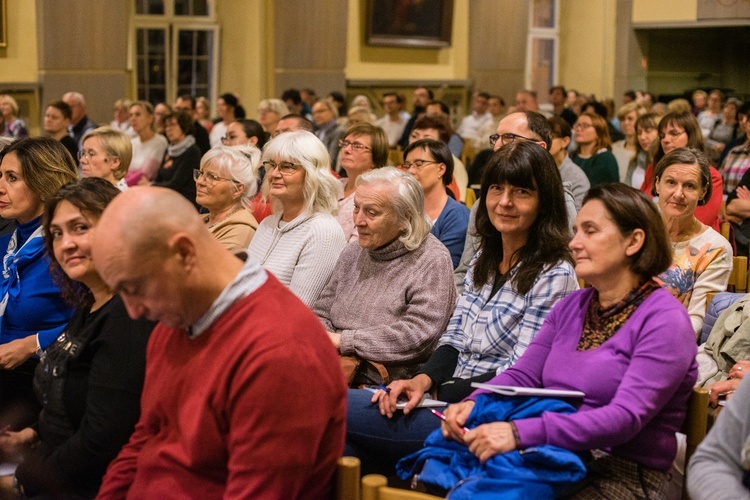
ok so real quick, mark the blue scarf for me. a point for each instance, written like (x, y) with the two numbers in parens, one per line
(536, 472)
(16, 259)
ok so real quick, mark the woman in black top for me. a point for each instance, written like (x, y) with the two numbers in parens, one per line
(183, 156)
(90, 379)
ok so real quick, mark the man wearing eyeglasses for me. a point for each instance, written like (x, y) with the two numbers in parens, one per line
(524, 126)
(186, 103)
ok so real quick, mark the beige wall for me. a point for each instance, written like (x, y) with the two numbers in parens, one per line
(664, 11)
(587, 46)
(364, 62)
(18, 61)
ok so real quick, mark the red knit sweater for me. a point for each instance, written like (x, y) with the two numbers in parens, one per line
(254, 407)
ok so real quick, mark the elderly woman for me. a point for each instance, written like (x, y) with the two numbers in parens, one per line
(10, 124)
(702, 258)
(594, 151)
(632, 348)
(270, 112)
(33, 312)
(106, 154)
(431, 163)
(229, 109)
(183, 156)
(522, 269)
(396, 318)
(680, 130)
(90, 395)
(364, 148)
(626, 149)
(301, 242)
(148, 146)
(225, 185)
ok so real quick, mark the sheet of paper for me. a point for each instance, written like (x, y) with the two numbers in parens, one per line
(426, 402)
(507, 390)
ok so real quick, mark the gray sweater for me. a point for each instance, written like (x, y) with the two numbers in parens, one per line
(390, 305)
(716, 468)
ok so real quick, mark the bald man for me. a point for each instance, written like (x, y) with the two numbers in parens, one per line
(244, 395)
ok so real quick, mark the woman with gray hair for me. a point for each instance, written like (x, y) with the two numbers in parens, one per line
(270, 112)
(301, 242)
(225, 184)
(398, 270)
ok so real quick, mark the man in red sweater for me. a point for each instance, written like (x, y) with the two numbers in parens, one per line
(244, 395)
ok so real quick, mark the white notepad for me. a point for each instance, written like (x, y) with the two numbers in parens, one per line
(507, 390)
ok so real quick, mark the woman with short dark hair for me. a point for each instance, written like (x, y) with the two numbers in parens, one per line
(431, 163)
(183, 156)
(702, 257)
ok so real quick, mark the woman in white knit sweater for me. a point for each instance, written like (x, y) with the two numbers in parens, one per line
(301, 242)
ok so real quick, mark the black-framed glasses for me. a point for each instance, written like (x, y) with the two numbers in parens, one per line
(418, 164)
(208, 177)
(356, 146)
(285, 167)
(508, 137)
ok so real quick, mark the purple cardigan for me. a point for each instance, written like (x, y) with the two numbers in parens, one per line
(637, 383)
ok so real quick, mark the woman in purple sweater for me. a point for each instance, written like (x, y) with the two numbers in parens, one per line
(626, 343)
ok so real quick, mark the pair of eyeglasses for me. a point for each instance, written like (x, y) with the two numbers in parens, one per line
(356, 146)
(418, 164)
(508, 137)
(88, 153)
(208, 177)
(285, 167)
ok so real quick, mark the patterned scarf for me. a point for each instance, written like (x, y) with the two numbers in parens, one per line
(602, 323)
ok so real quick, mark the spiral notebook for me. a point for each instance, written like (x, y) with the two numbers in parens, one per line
(507, 390)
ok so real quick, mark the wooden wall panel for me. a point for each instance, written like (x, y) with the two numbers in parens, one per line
(310, 44)
(497, 45)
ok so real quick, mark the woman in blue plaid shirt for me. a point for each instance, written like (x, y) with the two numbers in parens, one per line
(522, 269)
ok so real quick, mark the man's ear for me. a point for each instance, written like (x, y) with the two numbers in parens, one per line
(183, 248)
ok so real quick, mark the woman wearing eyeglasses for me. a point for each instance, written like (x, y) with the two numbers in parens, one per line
(594, 152)
(365, 147)
(431, 163)
(225, 185)
(681, 130)
(183, 156)
(301, 242)
(106, 154)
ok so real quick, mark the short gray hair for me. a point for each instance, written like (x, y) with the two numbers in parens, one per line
(407, 202)
(301, 147)
(232, 163)
(276, 105)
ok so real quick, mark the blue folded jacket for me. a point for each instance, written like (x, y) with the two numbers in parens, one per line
(538, 472)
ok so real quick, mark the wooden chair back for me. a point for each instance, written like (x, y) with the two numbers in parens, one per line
(347, 478)
(738, 276)
(395, 157)
(375, 487)
(695, 426)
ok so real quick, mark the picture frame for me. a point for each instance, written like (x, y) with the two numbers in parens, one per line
(3, 24)
(410, 23)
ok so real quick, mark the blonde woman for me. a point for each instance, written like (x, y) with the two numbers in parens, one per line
(12, 125)
(106, 154)
(148, 146)
(270, 112)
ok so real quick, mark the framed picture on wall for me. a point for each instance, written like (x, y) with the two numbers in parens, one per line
(409, 23)
(3, 24)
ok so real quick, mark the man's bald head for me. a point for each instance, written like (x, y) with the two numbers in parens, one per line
(152, 248)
